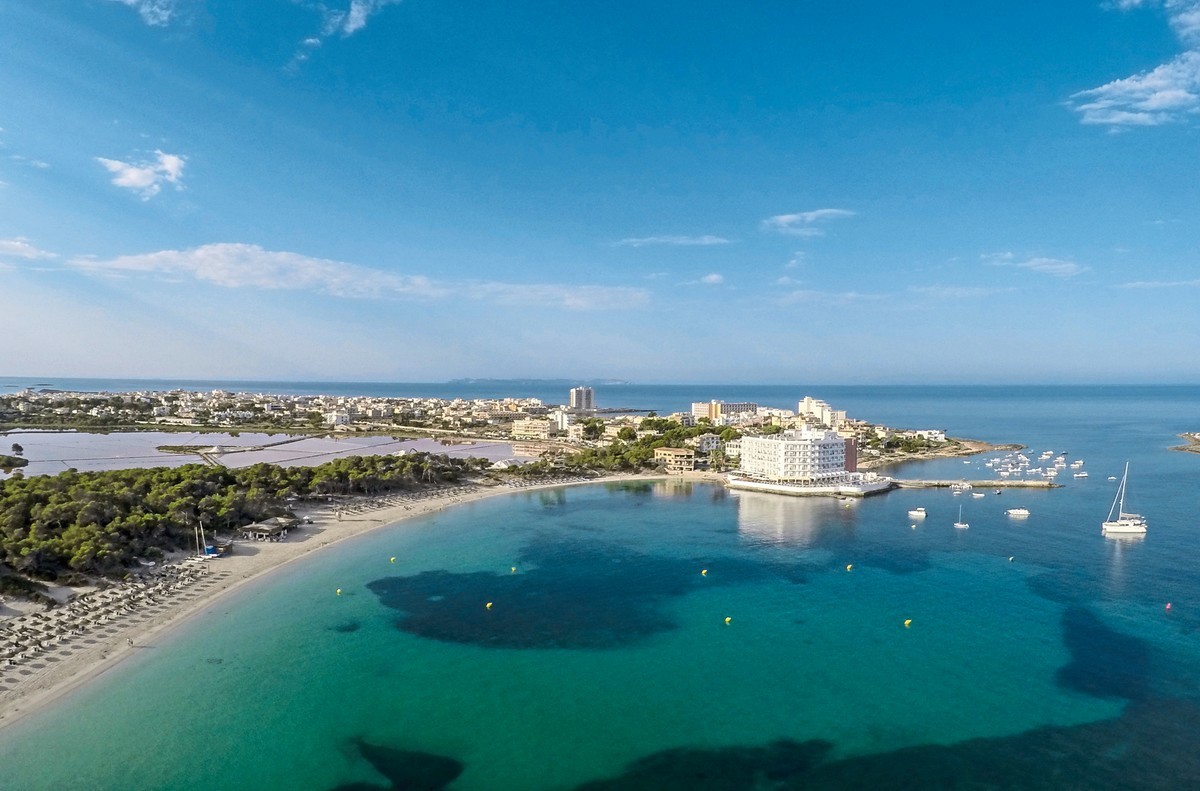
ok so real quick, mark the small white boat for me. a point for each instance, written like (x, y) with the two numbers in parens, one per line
(961, 486)
(960, 523)
(1125, 522)
(978, 494)
(916, 513)
(1017, 512)
(1112, 477)
(1081, 475)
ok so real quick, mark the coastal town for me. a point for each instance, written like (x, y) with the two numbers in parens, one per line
(718, 433)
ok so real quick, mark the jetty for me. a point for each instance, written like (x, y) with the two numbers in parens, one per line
(988, 484)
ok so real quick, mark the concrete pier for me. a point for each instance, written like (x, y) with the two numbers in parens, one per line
(1000, 484)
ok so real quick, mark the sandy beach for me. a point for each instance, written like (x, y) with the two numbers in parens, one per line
(72, 658)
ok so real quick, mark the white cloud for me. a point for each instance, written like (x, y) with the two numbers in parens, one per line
(1048, 266)
(153, 12)
(1053, 266)
(805, 223)
(842, 297)
(1161, 284)
(678, 241)
(957, 292)
(147, 178)
(343, 21)
(713, 279)
(232, 265)
(555, 295)
(33, 163)
(19, 247)
(1170, 92)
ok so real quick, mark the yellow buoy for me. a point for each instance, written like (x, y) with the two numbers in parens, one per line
(513, 570)
(338, 591)
(489, 605)
(703, 572)
(907, 622)
(849, 567)
(728, 619)
(392, 560)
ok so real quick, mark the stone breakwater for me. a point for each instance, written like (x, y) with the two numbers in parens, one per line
(987, 484)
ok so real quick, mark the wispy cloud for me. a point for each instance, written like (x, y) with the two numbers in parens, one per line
(555, 295)
(958, 292)
(233, 265)
(677, 241)
(713, 279)
(805, 223)
(1161, 284)
(153, 12)
(343, 20)
(33, 163)
(798, 259)
(146, 178)
(1046, 266)
(1167, 93)
(19, 247)
(838, 297)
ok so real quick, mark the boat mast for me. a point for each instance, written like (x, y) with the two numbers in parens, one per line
(1124, 479)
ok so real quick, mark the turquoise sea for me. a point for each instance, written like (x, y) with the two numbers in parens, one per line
(1039, 655)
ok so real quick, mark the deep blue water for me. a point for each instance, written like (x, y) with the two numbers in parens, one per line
(606, 662)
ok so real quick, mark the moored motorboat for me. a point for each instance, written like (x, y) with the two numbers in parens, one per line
(1017, 512)
(916, 513)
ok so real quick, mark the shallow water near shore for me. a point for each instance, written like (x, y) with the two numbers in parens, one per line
(605, 660)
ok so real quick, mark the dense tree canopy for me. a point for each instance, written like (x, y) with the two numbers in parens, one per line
(100, 522)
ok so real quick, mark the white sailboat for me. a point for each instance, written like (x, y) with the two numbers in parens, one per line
(1124, 522)
(960, 523)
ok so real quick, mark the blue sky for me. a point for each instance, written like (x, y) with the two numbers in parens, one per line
(675, 192)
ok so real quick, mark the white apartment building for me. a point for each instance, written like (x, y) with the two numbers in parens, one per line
(706, 443)
(715, 410)
(531, 428)
(561, 420)
(805, 455)
(582, 399)
(821, 412)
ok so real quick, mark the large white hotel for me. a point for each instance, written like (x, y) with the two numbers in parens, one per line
(803, 455)
(803, 461)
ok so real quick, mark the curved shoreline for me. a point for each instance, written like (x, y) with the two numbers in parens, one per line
(1193, 443)
(77, 667)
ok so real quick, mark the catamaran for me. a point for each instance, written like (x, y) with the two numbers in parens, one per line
(1124, 522)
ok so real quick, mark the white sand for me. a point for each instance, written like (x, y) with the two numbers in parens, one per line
(80, 659)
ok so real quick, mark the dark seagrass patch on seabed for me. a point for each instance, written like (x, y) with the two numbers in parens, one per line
(405, 770)
(1104, 663)
(576, 594)
(1150, 746)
